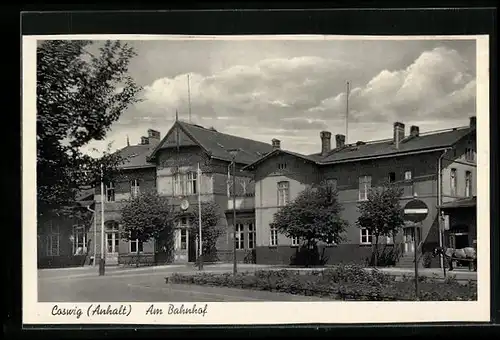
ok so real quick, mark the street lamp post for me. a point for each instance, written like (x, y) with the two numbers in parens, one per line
(233, 153)
(102, 260)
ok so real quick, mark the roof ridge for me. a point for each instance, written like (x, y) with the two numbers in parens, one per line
(223, 133)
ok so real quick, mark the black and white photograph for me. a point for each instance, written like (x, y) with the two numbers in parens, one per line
(180, 180)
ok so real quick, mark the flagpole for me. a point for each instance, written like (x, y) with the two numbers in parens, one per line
(200, 256)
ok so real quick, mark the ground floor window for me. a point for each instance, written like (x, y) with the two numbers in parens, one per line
(365, 236)
(251, 236)
(52, 241)
(240, 236)
(79, 240)
(136, 244)
(273, 237)
(295, 241)
(184, 238)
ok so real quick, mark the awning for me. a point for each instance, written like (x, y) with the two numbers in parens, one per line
(469, 202)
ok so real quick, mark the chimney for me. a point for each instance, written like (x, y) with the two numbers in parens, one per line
(153, 137)
(326, 144)
(276, 144)
(472, 123)
(144, 140)
(399, 133)
(414, 131)
(339, 141)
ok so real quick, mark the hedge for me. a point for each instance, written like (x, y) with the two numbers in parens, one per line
(347, 282)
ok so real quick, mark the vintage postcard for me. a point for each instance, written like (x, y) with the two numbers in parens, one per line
(198, 180)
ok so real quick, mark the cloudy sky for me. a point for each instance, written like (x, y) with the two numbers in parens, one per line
(292, 90)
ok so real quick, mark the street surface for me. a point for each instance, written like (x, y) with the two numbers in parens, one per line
(142, 285)
(147, 284)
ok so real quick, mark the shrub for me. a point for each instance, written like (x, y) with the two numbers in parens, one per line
(427, 260)
(389, 256)
(347, 282)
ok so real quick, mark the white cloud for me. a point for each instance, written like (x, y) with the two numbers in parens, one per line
(438, 82)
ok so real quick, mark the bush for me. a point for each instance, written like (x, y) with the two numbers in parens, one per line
(389, 256)
(347, 282)
(308, 257)
(427, 260)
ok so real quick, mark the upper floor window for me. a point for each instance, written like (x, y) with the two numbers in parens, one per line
(365, 183)
(468, 184)
(408, 176)
(281, 166)
(453, 182)
(392, 177)
(110, 192)
(185, 184)
(134, 188)
(283, 193)
(469, 154)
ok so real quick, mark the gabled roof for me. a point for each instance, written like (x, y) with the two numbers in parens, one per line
(277, 152)
(218, 144)
(135, 156)
(429, 141)
(432, 141)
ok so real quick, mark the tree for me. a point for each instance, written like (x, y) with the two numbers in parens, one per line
(210, 217)
(79, 96)
(381, 214)
(313, 216)
(148, 216)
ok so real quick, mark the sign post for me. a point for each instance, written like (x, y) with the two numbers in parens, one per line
(416, 211)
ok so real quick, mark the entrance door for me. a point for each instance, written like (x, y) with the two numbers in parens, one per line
(192, 248)
(409, 240)
(113, 242)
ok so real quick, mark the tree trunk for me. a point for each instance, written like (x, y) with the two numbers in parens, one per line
(375, 252)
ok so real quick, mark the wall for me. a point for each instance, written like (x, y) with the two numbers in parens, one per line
(456, 159)
(423, 183)
(298, 173)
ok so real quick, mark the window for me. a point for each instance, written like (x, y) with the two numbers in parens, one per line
(251, 236)
(134, 244)
(468, 184)
(283, 193)
(112, 236)
(281, 166)
(469, 154)
(365, 236)
(177, 184)
(392, 177)
(389, 239)
(79, 240)
(191, 180)
(52, 240)
(134, 188)
(332, 182)
(453, 182)
(185, 184)
(110, 192)
(273, 237)
(240, 236)
(184, 239)
(408, 175)
(295, 241)
(365, 183)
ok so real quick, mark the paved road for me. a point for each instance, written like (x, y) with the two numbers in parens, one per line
(141, 285)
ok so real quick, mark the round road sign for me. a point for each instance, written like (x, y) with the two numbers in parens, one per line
(415, 211)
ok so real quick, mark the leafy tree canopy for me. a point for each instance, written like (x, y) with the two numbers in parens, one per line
(79, 96)
(382, 213)
(146, 216)
(210, 217)
(313, 216)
